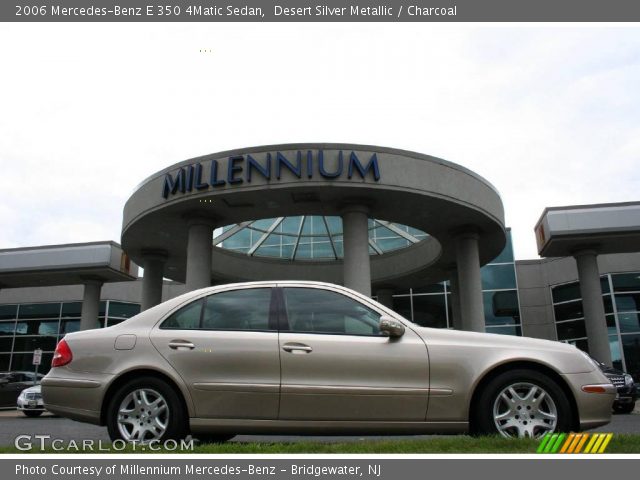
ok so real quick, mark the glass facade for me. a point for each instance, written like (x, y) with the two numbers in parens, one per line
(27, 326)
(621, 298)
(431, 306)
(309, 237)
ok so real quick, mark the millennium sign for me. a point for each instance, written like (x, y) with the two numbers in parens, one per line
(244, 168)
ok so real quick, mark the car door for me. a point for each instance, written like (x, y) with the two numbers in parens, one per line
(336, 364)
(225, 347)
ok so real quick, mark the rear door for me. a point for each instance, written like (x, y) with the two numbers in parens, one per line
(225, 347)
(336, 364)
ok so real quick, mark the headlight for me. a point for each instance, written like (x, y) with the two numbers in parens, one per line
(628, 380)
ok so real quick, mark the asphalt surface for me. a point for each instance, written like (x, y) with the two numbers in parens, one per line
(13, 424)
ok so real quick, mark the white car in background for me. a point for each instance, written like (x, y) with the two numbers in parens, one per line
(30, 401)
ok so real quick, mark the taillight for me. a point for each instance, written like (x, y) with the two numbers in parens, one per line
(62, 356)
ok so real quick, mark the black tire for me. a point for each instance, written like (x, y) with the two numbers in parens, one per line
(176, 417)
(483, 412)
(208, 438)
(32, 413)
(626, 408)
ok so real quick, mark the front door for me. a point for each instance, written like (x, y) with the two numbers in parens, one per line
(225, 348)
(336, 364)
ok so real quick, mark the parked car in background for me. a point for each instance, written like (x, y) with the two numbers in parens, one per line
(627, 389)
(309, 358)
(13, 383)
(30, 401)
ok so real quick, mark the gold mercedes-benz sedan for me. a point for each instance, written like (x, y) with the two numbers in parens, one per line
(314, 358)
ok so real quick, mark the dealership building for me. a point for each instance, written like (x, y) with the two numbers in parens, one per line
(420, 234)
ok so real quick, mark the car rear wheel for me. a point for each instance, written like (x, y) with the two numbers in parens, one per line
(523, 403)
(32, 413)
(146, 410)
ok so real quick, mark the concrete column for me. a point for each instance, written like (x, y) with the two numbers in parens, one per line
(469, 282)
(454, 299)
(199, 247)
(594, 319)
(385, 297)
(153, 264)
(357, 269)
(90, 305)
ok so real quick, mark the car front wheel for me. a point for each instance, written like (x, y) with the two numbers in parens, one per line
(146, 410)
(523, 403)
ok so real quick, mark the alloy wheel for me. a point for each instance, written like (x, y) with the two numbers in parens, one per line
(143, 416)
(524, 410)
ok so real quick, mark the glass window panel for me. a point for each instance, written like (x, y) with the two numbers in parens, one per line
(575, 329)
(114, 321)
(390, 244)
(262, 225)
(501, 308)
(7, 328)
(337, 243)
(239, 241)
(22, 328)
(631, 349)
(39, 310)
(611, 324)
(581, 344)
(604, 284)
(68, 326)
(616, 355)
(187, 318)
(48, 328)
(32, 327)
(322, 249)
(505, 330)
(5, 344)
(629, 322)
(569, 310)
(430, 311)
(608, 305)
(29, 343)
(4, 362)
(102, 310)
(626, 282)
(8, 311)
(335, 225)
(563, 293)
(307, 225)
(628, 302)
(291, 225)
(507, 253)
(496, 277)
(313, 310)
(71, 309)
(24, 362)
(402, 305)
(123, 310)
(238, 310)
(304, 250)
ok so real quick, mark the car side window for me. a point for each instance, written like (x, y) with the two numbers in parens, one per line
(187, 318)
(246, 309)
(312, 310)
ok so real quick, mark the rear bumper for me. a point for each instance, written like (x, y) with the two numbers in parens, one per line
(73, 397)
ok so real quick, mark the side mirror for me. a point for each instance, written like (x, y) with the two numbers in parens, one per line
(391, 327)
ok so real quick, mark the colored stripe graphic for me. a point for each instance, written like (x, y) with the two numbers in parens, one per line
(574, 443)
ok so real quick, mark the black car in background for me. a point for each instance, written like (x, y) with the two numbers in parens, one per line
(627, 389)
(12, 383)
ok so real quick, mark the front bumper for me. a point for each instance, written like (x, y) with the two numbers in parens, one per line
(594, 405)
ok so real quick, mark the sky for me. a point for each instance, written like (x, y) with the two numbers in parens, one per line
(550, 115)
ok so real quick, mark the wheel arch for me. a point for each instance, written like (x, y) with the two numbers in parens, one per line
(521, 364)
(134, 374)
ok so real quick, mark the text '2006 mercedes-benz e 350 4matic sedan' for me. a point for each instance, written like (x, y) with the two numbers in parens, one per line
(309, 357)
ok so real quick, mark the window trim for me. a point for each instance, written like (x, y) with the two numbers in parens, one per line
(284, 318)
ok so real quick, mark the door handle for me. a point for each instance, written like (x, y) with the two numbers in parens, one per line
(297, 347)
(176, 344)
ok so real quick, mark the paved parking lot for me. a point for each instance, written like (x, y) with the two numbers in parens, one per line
(14, 423)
